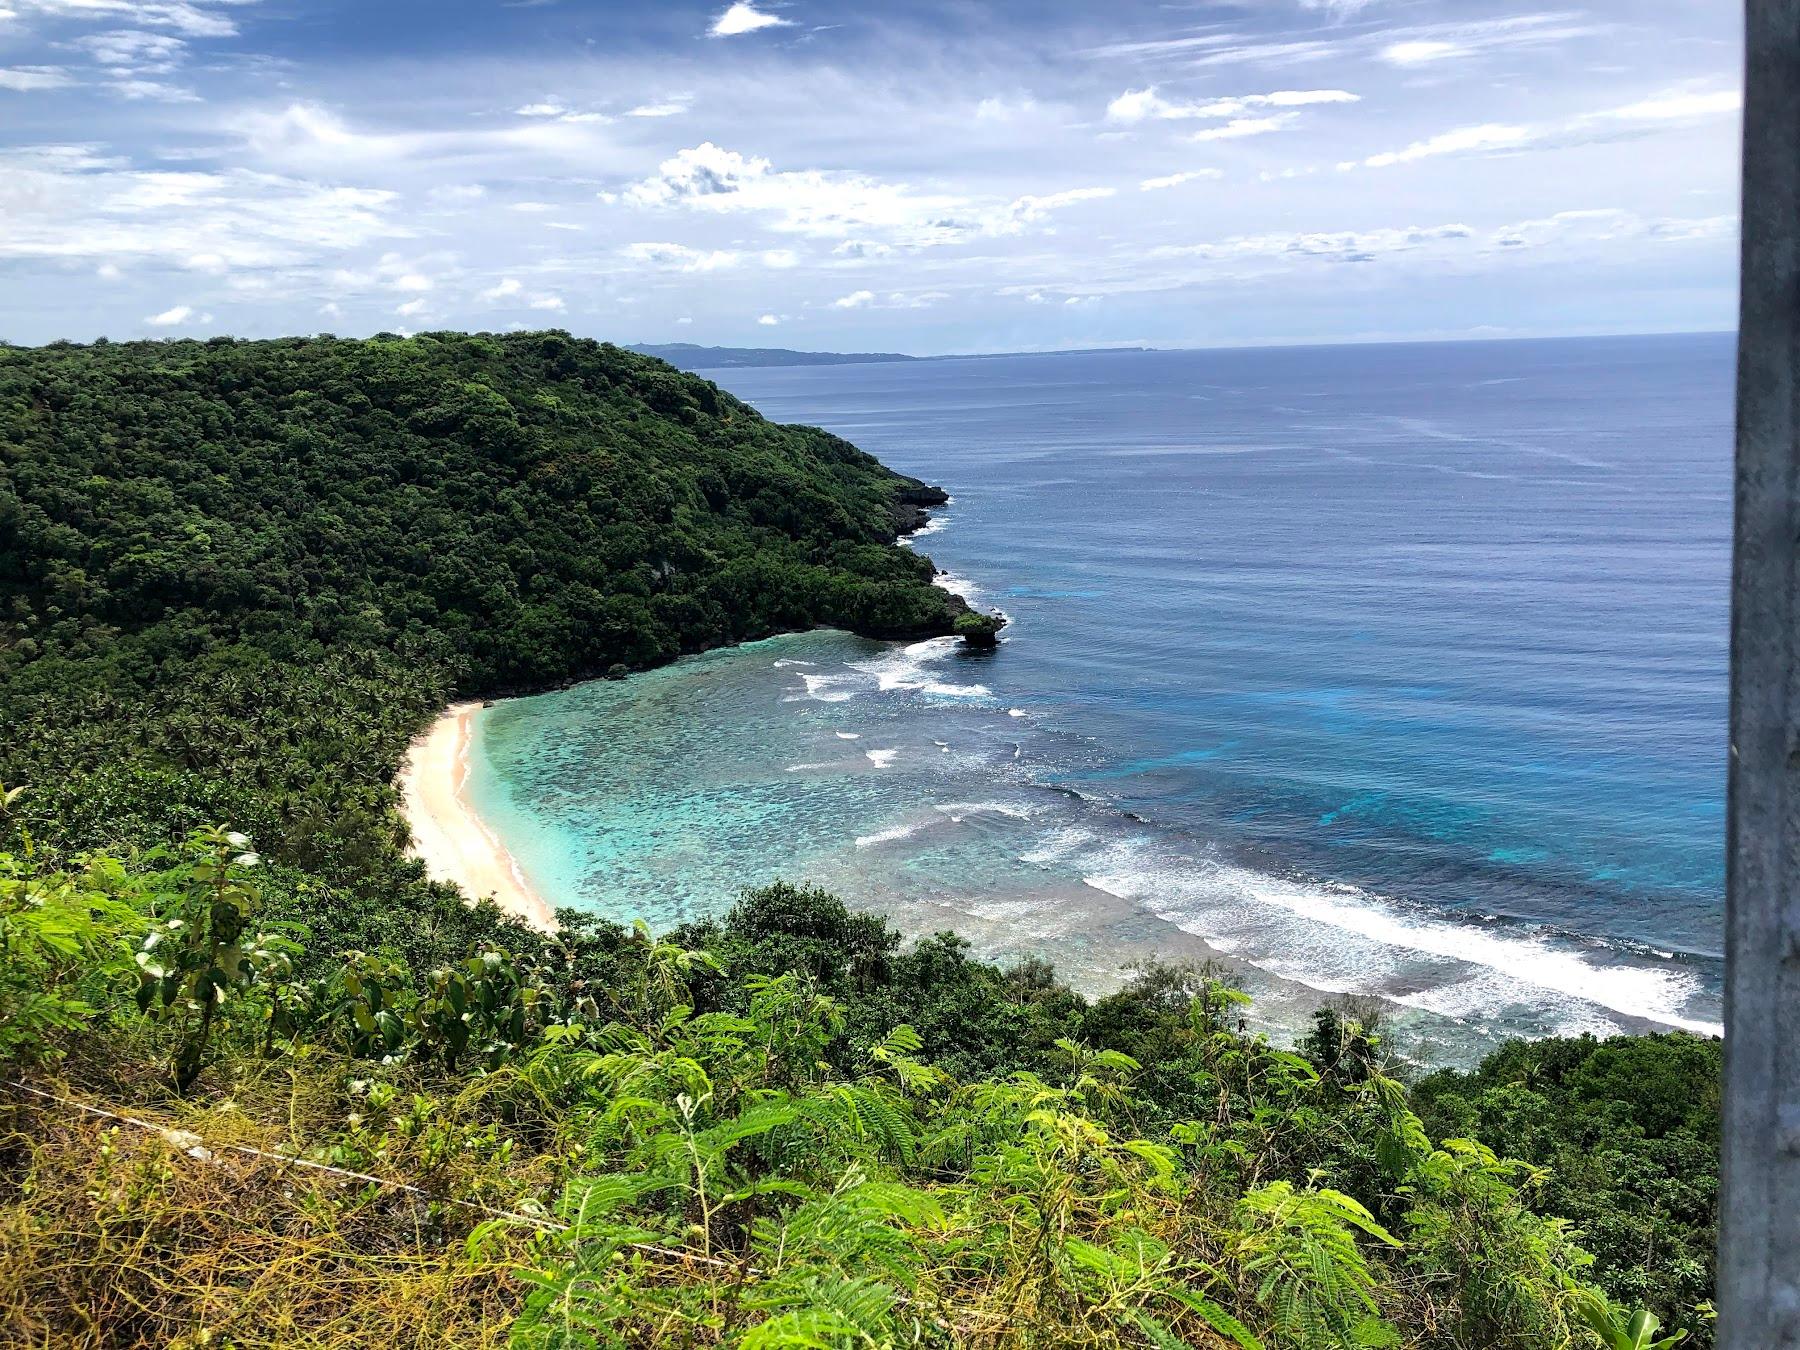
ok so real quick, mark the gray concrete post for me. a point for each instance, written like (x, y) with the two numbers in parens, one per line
(1759, 1239)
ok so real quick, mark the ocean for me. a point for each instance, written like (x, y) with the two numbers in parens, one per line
(1395, 671)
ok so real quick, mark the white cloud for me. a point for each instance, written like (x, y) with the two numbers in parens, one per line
(672, 107)
(134, 49)
(1420, 52)
(1224, 48)
(704, 170)
(411, 281)
(1610, 226)
(861, 250)
(170, 317)
(1026, 210)
(1567, 233)
(680, 258)
(1679, 107)
(745, 17)
(768, 321)
(78, 205)
(892, 300)
(1482, 139)
(503, 290)
(159, 90)
(1428, 44)
(1137, 105)
(201, 18)
(816, 202)
(1674, 109)
(997, 109)
(312, 138)
(1240, 127)
(1415, 45)
(838, 204)
(555, 112)
(1177, 179)
(411, 307)
(548, 302)
(780, 258)
(531, 208)
(29, 79)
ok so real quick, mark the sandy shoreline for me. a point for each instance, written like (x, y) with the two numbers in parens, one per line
(454, 843)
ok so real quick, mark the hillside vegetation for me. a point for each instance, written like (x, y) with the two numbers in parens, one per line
(265, 563)
(288, 1093)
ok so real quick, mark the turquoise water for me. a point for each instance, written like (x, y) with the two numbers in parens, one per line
(1389, 670)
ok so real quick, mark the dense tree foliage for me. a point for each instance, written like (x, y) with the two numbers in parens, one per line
(538, 506)
(609, 1138)
(1628, 1132)
(237, 578)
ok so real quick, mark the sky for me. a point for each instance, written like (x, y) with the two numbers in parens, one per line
(925, 176)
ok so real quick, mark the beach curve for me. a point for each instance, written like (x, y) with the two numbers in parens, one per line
(448, 835)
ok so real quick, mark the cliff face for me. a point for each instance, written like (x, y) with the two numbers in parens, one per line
(911, 498)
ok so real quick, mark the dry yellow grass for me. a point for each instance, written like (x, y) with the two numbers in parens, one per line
(113, 1236)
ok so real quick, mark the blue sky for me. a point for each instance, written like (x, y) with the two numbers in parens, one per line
(937, 176)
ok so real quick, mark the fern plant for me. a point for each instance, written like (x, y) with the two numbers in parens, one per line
(1298, 1250)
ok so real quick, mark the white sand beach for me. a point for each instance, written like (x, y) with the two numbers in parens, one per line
(452, 840)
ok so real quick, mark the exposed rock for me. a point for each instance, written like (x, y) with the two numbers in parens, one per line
(977, 629)
(910, 500)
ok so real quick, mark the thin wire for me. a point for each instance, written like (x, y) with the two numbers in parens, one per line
(198, 1150)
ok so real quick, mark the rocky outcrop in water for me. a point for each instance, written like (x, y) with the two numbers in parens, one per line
(911, 499)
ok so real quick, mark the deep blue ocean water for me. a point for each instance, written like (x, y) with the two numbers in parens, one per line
(1391, 670)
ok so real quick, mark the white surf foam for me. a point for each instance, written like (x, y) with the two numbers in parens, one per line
(1347, 940)
(1474, 1000)
(1061, 844)
(957, 585)
(1657, 995)
(909, 668)
(848, 735)
(786, 663)
(888, 836)
(957, 810)
(828, 688)
(881, 758)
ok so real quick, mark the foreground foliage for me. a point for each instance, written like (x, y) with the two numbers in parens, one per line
(615, 1139)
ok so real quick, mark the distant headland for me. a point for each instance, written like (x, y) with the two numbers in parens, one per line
(693, 356)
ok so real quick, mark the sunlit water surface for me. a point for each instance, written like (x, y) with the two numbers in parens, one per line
(1388, 670)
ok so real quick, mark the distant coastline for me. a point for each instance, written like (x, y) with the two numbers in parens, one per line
(692, 356)
(449, 835)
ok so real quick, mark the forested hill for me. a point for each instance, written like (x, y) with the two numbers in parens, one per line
(421, 516)
(549, 506)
